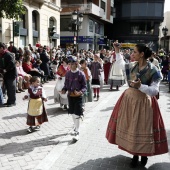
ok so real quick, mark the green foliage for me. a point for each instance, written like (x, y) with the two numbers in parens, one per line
(11, 8)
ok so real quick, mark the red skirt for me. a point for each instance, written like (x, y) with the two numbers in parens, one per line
(158, 129)
(106, 71)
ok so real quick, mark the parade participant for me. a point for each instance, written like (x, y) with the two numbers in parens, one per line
(136, 124)
(88, 95)
(75, 84)
(36, 110)
(116, 77)
(61, 72)
(106, 66)
(95, 68)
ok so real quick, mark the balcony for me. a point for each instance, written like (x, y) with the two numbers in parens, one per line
(89, 8)
(40, 1)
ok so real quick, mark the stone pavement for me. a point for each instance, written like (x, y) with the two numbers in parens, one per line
(51, 148)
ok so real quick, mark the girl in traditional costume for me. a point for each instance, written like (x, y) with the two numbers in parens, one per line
(36, 110)
(136, 124)
(88, 95)
(96, 68)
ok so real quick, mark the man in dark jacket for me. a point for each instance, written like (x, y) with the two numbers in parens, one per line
(13, 50)
(7, 65)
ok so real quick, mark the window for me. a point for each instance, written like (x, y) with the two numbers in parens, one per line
(22, 23)
(34, 20)
(103, 5)
(22, 41)
(64, 24)
(90, 26)
(142, 9)
(51, 22)
(142, 28)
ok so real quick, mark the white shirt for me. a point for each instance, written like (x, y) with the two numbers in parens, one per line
(151, 90)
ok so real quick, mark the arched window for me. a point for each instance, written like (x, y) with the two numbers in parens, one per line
(34, 20)
(51, 22)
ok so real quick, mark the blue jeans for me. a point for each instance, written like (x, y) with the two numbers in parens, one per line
(1, 96)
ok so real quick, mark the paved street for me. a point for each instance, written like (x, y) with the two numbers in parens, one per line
(51, 148)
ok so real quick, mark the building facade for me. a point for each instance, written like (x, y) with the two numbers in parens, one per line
(96, 13)
(138, 21)
(164, 40)
(34, 25)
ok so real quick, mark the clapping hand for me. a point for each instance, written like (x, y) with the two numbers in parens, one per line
(135, 84)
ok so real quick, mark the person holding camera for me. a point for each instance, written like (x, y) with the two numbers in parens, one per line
(136, 124)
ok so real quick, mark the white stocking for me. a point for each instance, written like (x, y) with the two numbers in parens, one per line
(77, 122)
(74, 121)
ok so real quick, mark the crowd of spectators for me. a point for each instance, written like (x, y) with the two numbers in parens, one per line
(36, 61)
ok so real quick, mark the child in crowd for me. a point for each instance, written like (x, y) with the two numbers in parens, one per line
(95, 68)
(88, 95)
(36, 110)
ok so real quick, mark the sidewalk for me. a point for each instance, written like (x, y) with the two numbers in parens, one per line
(94, 152)
(51, 147)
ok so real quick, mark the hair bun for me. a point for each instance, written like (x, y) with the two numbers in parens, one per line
(148, 52)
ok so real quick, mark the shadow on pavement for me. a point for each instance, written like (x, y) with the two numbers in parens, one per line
(25, 147)
(9, 135)
(118, 162)
(56, 111)
(160, 166)
(15, 116)
(108, 109)
(50, 97)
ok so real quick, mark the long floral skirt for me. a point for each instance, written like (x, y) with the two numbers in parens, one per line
(136, 125)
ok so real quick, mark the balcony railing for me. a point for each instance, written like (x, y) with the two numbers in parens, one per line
(89, 8)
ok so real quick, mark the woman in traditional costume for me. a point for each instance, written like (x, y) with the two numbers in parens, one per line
(116, 76)
(136, 124)
(61, 72)
(36, 110)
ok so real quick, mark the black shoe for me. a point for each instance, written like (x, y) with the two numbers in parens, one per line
(30, 129)
(117, 87)
(94, 96)
(144, 160)
(21, 90)
(37, 127)
(10, 105)
(97, 97)
(17, 91)
(134, 161)
(65, 107)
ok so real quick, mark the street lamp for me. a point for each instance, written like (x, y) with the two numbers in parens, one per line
(165, 32)
(75, 25)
